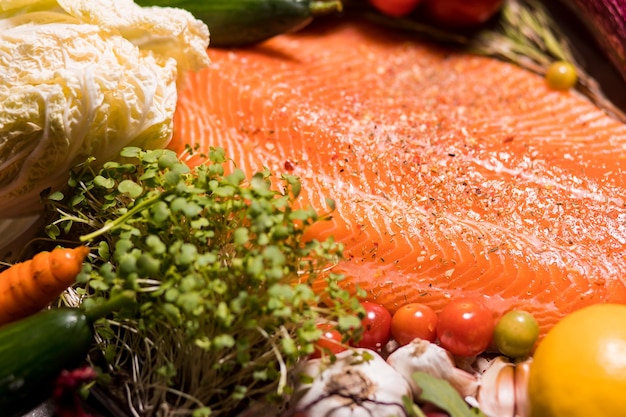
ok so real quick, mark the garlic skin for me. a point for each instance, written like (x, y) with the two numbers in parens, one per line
(522, 371)
(359, 383)
(496, 395)
(424, 356)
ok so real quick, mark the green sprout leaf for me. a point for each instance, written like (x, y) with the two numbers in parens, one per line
(131, 188)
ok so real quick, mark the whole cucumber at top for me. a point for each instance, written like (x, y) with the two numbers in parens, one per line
(235, 23)
(606, 20)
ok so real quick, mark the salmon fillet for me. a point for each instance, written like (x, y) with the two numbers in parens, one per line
(453, 175)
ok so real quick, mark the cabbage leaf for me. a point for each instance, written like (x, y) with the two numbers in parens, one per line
(81, 79)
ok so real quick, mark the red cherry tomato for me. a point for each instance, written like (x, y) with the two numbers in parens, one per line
(329, 343)
(465, 327)
(412, 321)
(461, 13)
(376, 326)
(395, 8)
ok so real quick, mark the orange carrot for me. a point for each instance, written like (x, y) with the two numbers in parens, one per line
(29, 286)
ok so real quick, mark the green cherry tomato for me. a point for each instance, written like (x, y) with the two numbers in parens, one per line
(516, 333)
(561, 76)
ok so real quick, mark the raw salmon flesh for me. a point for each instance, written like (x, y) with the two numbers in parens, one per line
(453, 175)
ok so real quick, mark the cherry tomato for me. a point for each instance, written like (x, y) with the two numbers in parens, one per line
(465, 327)
(395, 8)
(329, 343)
(412, 321)
(561, 76)
(516, 333)
(461, 13)
(376, 326)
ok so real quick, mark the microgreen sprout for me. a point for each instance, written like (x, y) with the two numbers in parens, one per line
(220, 271)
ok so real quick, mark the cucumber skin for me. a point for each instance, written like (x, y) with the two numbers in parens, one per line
(237, 23)
(34, 351)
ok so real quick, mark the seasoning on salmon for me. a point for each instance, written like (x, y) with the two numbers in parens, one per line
(452, 174)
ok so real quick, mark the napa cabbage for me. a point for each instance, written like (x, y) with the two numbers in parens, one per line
(81, 79)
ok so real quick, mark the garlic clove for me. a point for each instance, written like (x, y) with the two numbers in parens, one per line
(522, 371)
(496, 394)
(465, 383)
(424, 356)
(390, 347)
(481, 363)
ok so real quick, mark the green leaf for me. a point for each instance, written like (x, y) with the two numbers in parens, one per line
(130, 152)
(294, 183)
(217, 155)
(241, 236)
(103, 182)
(223, 341)
(189, 302)
(99, 285)
(412, 409)
(201, 412)
(440, 393)
(53, 231)
(167, 160)
(77, 199)
(168, 370)
(131, 188)
(349, 322)
(289, 346)
(103, 250)
(172, 178)
(237, 177)
(156, 245)
(56, 196)
(223, 314)
(183, 205)
(274, 255)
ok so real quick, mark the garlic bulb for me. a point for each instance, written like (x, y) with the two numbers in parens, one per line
(359, 383)
(422, 355)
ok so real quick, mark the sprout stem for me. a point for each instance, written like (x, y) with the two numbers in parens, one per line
(123, 218)
(114, 304)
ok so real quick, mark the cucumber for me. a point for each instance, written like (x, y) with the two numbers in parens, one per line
(237, 23)
(34, 351)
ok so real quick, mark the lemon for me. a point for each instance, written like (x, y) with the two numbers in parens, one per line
(579, 368)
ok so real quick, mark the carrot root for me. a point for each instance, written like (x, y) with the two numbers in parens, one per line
(30, 286)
